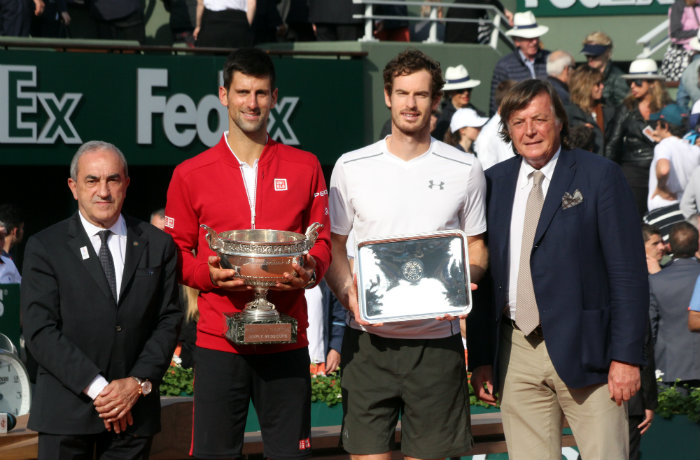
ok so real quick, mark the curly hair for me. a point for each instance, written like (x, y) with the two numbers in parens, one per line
(659, 97)
(411, 61)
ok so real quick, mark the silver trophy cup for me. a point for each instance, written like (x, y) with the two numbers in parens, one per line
(261, 257)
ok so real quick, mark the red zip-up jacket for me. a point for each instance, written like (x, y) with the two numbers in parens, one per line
(209, 189)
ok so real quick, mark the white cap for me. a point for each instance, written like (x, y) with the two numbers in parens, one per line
(463, 118)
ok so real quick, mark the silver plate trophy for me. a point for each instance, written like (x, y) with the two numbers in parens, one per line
(413, 277)
(261, 257)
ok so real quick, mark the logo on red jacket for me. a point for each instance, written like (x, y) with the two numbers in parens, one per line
(169, 222)
(280, 185)
(304, 444)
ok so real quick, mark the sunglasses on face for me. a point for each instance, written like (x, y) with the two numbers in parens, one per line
(638, 81)
(465, 90)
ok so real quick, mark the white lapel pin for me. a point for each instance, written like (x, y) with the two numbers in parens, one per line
(84, 252)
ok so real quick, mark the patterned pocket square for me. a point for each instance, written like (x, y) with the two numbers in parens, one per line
(568, 200)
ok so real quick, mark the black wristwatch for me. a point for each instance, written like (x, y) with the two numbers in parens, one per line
(145, 386)
(312, 281)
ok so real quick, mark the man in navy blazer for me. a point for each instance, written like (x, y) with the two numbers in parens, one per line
(569, 321)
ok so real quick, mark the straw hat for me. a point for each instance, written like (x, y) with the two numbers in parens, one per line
(458, 78)
(525, 26)
(645, 69)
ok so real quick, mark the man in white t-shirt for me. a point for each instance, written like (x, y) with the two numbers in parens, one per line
(674, 159)
(407, 183)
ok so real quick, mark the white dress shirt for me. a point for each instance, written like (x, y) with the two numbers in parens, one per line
(517, 221)
(117, 246)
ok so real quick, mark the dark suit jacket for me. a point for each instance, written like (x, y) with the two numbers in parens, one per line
(588, 268)
(677, 350)
(75, 329)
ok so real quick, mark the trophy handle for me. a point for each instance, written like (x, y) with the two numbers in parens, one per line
(312, 234)
(215, 243)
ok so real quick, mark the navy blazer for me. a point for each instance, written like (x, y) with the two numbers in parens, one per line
(76, 330)
(588, 267)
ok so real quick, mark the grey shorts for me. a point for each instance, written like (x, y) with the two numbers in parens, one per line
(421, 381)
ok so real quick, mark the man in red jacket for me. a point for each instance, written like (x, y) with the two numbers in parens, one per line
(248, 181)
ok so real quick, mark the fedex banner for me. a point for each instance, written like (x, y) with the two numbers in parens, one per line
(163, 109)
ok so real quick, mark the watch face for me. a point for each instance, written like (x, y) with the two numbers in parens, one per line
(146, 387)
(15, 393)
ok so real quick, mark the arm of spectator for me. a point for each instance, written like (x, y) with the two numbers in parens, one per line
(689, 200)
(198, 18)
(38, 7)
(694, 321)
(663, 170)
(675, 27)
(250, 10)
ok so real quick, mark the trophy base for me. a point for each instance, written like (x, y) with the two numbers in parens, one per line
(242, 330)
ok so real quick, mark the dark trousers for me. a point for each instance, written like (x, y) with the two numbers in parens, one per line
(15, 18)
(224, 29)
(635, 436)
(104, 446)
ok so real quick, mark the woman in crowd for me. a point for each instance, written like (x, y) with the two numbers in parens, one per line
(224, 23)
(684, 21)
(630, 143)
(597, 47)
(586, 107)
(464, 128)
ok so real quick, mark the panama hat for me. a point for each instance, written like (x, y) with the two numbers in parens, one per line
(463, 118)
(525, 26)
(645, 69)
(458, 78)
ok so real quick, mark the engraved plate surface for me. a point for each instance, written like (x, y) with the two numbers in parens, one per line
(242, 331)
(413, 277)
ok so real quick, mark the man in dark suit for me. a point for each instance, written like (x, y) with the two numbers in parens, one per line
(569, 288)
(100, 315)
(676, 348)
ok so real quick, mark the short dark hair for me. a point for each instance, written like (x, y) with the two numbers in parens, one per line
(502, 89)
(411, 61)
(648, 231)
(520, 96)
(11, 217)
(249, 61)
(684, 240)
(582, 137)
(675, 130)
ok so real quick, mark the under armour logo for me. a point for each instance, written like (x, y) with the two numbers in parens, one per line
(432, 184)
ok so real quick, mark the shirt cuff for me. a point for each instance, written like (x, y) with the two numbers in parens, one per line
(96, 386)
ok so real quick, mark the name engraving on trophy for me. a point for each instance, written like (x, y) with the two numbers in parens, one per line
(266, 333)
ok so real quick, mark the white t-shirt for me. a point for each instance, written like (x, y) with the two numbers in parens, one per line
(221, 5)
(684, 158)
(375, 194)
(489, 147)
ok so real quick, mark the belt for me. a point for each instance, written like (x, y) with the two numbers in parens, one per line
(535, 334)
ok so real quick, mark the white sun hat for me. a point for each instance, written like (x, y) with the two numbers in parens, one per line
(458, 78)
(525, 26)
(645, 69)
(466, 118)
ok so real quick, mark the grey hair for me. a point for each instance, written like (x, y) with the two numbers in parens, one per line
(91, 146)
(557, 61)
